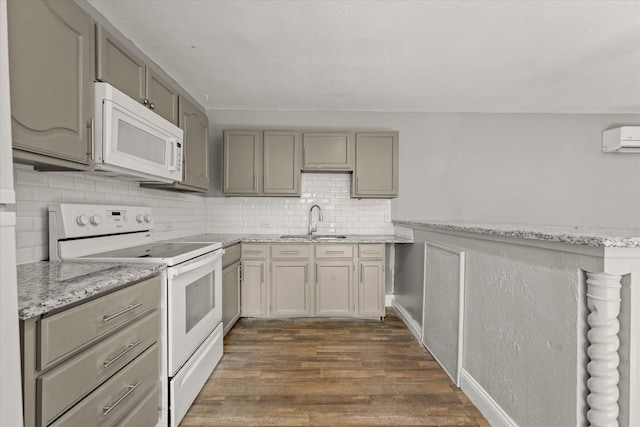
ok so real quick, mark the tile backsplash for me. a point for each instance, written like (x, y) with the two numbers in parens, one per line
(183, 214)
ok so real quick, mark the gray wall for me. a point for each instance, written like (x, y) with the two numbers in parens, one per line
(523, 168)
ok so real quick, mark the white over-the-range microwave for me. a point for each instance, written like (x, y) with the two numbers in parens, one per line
(131, 140)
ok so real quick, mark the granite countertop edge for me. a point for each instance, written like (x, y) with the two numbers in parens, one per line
(585, 236)
(47, 286)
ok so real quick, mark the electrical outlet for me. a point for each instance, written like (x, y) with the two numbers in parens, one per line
(387, 217)
(265, 225)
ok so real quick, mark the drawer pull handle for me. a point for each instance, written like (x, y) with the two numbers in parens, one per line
(130, 307)
(335, 252)
(131, 388)
(290, 252)
(126, 350)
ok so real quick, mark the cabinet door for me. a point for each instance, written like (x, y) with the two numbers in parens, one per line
(51, 72)
(230, 295)
(290, 288)
(334, 288)
(371, 288)
(376, 165)
(162, 97)
(117, 65)
(281, 151)
(241, 162)
(254, 289)
(328, 151)
(196, 146)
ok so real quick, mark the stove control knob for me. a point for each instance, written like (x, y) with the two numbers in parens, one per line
(82, 220)
(147, 218)
(95, 219)
(140, 218)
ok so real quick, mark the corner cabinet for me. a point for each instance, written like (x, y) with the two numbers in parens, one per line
(376, 165)
(51, 83)
(119, 66)
(230, 286)
(261, 163)
(195, 158)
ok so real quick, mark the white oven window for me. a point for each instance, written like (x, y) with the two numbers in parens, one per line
(200, 300)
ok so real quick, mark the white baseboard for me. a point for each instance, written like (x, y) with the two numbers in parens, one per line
(388, 300)
(488, 407)
(404, 315)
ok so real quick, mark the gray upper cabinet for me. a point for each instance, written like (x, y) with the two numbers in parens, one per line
(119, 66)
(195, 151)
(51, 71)
(261, 163)
(281, 163)
(241, 162)
(328, 151)
(376, 165)
(196, 146)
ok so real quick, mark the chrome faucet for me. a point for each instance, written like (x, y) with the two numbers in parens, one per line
(311, 228)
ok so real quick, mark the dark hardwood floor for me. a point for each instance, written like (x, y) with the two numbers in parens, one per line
(328, 373)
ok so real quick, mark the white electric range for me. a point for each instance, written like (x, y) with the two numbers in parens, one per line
(192, 300)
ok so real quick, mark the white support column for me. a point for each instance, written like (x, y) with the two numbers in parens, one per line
(603, 300)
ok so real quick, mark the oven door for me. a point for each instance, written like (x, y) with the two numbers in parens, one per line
(194, 305)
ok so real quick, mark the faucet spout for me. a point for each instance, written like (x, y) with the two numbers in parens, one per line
(311, 227)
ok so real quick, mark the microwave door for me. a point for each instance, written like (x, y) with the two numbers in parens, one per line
(137, 145)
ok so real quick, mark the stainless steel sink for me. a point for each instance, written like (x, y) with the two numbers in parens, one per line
(328, 237)
(313, 237)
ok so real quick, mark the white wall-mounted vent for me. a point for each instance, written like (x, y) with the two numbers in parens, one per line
(625, 139)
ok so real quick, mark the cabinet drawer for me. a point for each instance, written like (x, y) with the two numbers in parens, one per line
(117, 397)
(61, 387)
(231, 255)
(67, 331)
(334, 251)
(371, 251)
(145, 414)
(290, 251)
(253, 251)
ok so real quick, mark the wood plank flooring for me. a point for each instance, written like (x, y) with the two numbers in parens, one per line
(328, 373)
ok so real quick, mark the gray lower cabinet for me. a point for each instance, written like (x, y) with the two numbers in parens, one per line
(118, 65)
(253, 295)
(97, 363)
(312, 280)
(375, 172)
(261, 163)
(290, 268)
(51, 83)
(328, 151)
(230, 286)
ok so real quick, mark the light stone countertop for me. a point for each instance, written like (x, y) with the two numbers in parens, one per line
(586, 236)
(349, 238)
(45, 286)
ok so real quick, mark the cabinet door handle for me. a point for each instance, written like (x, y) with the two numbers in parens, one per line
(130, 347)
(90, 138)
(145, 102)
(129, 308)
(131, 388)
(361, 273)
(262, 274)
(152, 106)
(255, 182)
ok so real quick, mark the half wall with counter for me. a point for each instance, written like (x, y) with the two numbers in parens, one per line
(526, 317)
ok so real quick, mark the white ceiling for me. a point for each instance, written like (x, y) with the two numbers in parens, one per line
(393, 55)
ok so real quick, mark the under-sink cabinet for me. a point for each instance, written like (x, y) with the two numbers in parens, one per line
(96, 363)
(312, 280)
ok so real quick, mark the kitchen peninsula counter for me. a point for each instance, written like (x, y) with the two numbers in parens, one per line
(46, 286)
(584, 236)
(510, 309)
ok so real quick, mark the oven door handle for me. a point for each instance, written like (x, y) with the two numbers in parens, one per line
(195, 264)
